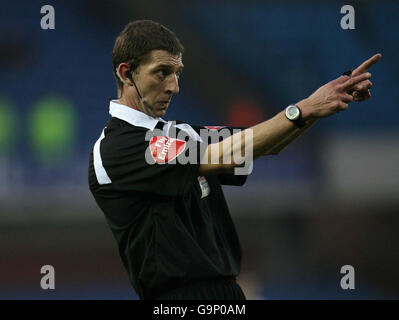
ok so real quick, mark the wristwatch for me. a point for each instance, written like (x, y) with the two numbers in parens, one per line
(293, 113)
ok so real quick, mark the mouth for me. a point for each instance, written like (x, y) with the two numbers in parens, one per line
(164, 103)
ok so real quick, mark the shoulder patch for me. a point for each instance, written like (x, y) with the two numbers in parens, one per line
(165, 149)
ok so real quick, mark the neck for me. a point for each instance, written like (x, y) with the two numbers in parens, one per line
(134, 102)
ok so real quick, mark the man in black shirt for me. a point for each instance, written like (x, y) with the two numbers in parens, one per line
(168, 215)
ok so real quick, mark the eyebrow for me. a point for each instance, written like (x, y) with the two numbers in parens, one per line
(168, 66)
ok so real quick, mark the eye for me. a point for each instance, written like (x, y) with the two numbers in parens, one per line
(162, 73)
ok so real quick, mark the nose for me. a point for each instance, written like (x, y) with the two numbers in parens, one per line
(172, 85)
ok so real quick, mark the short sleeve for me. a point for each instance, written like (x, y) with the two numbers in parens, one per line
(127, 156)
(230, 178)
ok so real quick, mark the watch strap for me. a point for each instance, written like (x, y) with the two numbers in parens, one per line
(300, 123)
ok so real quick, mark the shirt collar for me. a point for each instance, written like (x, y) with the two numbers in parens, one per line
(132, 116)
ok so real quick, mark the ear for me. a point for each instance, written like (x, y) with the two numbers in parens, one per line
(124, 74)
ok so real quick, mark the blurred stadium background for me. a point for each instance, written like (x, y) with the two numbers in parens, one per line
(328, 200)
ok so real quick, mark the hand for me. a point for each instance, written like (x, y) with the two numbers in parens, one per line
(331, 98)
(361, 91)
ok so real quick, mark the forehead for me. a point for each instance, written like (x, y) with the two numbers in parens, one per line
(162, 57)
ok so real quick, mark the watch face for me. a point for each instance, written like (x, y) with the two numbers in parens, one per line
(292, 112)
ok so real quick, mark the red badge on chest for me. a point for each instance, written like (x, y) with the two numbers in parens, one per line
(165, 149)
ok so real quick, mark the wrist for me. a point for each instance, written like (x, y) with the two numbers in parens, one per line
(303, 105)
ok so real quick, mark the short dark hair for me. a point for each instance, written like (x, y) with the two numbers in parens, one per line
(134, 44)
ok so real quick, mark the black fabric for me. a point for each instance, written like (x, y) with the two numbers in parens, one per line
(168, 233)
(232, 180)
(209, 289)
(123, 155)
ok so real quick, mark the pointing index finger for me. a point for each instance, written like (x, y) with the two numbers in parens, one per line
(368, 63)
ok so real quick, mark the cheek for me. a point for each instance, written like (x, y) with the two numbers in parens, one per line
(155, 90)
(152, 86)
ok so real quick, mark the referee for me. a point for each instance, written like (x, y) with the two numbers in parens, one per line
(170, 219)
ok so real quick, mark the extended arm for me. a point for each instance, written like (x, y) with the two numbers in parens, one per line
(360, 92)
(274, 134)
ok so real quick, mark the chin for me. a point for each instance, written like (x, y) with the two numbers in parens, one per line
(161, 113)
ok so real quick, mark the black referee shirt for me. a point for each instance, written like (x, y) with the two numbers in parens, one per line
(172, 226)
